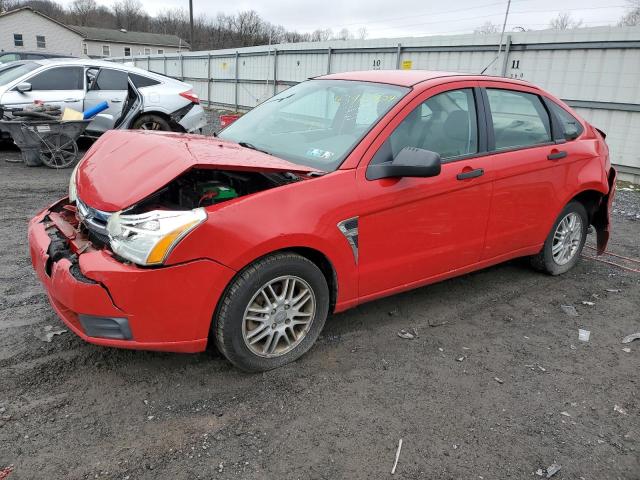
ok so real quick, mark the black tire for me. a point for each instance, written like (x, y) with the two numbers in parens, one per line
(150, 121)
(545, 261)
(227, 326)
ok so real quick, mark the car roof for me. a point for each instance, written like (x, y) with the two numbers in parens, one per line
(33, 52)
(409, 78)
(88, 62)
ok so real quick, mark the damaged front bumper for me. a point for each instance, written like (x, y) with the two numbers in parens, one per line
(110, 303)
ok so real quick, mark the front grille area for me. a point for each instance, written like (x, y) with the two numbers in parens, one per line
(95, 221)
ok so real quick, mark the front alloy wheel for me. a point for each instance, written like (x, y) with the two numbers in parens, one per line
(278, 316)
(272, 312)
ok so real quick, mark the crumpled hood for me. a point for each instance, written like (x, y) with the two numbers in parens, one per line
(126, 166)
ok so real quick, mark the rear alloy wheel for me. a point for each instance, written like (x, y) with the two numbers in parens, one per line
(564, 244)
(272, 312)
(151, 122)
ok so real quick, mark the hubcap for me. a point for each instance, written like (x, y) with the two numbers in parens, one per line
(567, 238)
(278, 316)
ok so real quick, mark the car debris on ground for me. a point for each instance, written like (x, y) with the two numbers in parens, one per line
(569, 310)
(408, 334)
(48, 332)
(395, 463)
(631, 338)
(619, 409)
(584, 335)
(548, 472)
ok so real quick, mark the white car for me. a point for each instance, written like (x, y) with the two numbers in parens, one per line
(162, 103)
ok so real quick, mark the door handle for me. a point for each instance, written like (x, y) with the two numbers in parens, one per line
(69, 100)
(116, 100)
(556, 154)
(478, 172)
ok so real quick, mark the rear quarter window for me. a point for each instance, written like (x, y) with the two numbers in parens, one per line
(571, 127)
(141, 81)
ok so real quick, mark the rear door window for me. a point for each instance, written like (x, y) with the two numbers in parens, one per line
(571, 127)
(519, 119)
(110, 80)
(61, 78)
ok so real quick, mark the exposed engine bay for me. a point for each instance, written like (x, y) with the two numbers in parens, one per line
(206, 187)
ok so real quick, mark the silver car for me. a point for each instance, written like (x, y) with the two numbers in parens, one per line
(162, 103)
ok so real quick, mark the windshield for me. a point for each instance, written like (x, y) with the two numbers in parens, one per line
(12, 72)
(316, 123)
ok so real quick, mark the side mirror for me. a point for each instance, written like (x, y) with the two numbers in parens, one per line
(410, 162)
(23, 87)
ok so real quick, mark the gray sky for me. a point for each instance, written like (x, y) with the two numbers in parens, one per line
(399, 18)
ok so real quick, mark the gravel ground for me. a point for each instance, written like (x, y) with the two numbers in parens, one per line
(496, 385)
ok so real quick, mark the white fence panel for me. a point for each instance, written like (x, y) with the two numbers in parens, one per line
(596, 70)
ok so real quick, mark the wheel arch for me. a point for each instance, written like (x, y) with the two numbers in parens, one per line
(590, 200)
(315, 256)
(176, 127)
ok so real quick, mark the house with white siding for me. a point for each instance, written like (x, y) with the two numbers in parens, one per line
(25, 29)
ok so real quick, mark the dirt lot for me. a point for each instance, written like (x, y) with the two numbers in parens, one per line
(73, 410)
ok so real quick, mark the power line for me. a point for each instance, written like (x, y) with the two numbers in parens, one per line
(479, 17)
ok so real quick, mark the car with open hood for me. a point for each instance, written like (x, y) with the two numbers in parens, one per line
(340, 190)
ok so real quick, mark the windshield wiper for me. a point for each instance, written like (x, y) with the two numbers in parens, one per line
(252, 147)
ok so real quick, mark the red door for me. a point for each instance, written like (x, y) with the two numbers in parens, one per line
(414, 229)
(532, 172)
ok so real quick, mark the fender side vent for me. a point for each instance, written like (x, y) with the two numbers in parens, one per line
(349, 229)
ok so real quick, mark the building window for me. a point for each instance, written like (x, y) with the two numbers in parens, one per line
(147, 51)
(17, 40)
(127, 51)
(160, 51)
(85, 49)
(41, 42)
(106, 51)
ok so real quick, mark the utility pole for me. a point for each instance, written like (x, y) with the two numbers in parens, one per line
(191, 22)
(504, 26)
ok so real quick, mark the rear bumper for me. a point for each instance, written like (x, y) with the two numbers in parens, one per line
(602, 216)
(194, 120)
(167, 308)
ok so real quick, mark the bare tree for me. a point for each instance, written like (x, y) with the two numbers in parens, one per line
(632, 17)
(344, 34)
(564, 21)
(321, 35)
(130, 15)
(82, 11)
(362, 33)
(487, 28)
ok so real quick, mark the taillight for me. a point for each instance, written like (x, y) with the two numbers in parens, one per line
(191, 96)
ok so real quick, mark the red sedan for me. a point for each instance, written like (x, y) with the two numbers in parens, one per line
(340, 190)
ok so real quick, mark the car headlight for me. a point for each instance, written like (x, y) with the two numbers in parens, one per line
(148, 238)
(73, 192)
